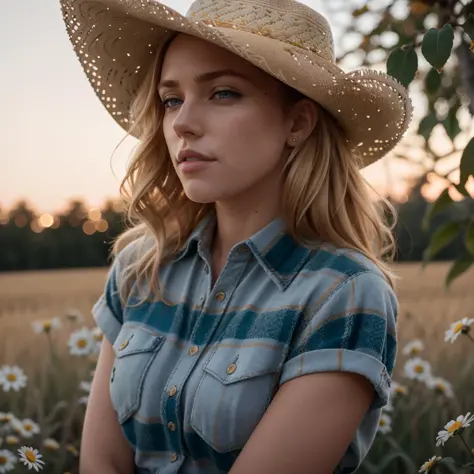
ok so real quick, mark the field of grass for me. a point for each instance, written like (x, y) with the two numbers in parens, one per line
(426, 311)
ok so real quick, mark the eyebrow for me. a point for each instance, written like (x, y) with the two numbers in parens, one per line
(203, 78)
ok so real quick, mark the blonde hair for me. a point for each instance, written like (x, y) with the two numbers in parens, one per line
(324, 194)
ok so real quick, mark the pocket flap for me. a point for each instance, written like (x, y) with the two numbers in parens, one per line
(232, 364)
(134, 340)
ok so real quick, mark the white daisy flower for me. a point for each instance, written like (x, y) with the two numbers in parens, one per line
(51, 444)
(26, 428)
(12, 440)
(385, 424)
(46, 325)
(453, 428)
(70, 448)
(397, 389)
(417, 369)
(12, 377)
(81, 342)
(458, 327)
(86, 386)
(6, 422)
(30, 457)
(440, 385)
(413, 348)
(426, 467)
(7, 461)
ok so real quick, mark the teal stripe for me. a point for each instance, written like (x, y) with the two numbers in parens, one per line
(340, 263)
(239, 325)
(359, 332)
(198, 449)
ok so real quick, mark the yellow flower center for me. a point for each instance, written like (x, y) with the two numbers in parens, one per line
(82, 343)
(415, 351)
(400, 390)
(3, 460)
(11, 377)
(454, 427)
(47, 325)
(98, 337)
(458, 328)
(12, 440)
(30, 455)
(382, 422)
(419, 369)
(440, 387)
(28, 427)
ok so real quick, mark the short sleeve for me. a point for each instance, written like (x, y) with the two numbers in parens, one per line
(107, 311)
(353, 331)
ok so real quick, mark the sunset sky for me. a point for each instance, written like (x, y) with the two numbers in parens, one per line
(56, 138)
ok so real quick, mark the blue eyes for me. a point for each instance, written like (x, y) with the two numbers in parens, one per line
(233, 94)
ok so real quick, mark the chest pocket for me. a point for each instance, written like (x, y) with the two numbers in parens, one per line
(233, 394)
(135, 349)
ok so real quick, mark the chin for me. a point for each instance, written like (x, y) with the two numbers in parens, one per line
(207, 195)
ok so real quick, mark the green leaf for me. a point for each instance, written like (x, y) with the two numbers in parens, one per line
(440, 239)
(469, 238)
(466, 167)
(444, 200)
(360, 11)
(437, 45)
(426, 125)
(468, 26)
(402, 64)
(451, 124)
(460, 266)
(432, 81)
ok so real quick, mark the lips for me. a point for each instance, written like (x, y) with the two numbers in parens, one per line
(188, 153)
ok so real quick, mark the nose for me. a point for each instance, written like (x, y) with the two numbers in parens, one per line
(188, 120)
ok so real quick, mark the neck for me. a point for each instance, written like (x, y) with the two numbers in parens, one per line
(237, 222)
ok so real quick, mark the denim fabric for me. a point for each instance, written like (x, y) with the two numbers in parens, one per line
(195, 372)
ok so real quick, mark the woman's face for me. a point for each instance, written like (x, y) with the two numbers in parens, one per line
(237, 122)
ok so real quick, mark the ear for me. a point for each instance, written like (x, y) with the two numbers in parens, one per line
(304, 118)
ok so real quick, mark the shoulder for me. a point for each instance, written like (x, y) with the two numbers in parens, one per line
(346, 273)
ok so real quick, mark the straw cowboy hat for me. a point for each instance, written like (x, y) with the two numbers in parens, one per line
(116, 40)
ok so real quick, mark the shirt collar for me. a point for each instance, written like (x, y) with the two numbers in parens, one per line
(275, 250)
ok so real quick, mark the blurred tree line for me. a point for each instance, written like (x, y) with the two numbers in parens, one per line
(83, 238)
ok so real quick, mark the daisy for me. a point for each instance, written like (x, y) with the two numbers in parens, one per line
(426, 467)
(6, 420)
(51, 444)
(81, 342)
(12, 439)
(12, 377)
(26, 428)
(413, 348)
(453, 428)
(458, 327)
(72, 449)
(45, 326)
(31, 458)
(417, 369)
(397, 389)
(86, 386)
(7, 461)
(440, 385)
(385, 424)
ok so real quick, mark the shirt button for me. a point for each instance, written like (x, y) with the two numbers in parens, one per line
(220, 296)
(231, 369)
(193, 350)
(173, 391)
(174, 457)
(171, 426)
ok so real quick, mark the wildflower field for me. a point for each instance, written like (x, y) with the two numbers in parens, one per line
(49, 345)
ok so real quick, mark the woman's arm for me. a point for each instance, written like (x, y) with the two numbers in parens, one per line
(104, 449)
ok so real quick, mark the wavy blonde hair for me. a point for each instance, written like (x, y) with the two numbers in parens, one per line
(324, 194)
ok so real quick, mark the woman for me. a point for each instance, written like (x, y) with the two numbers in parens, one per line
(249, 313)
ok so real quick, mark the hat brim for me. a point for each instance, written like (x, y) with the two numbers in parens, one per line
(116, 45)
